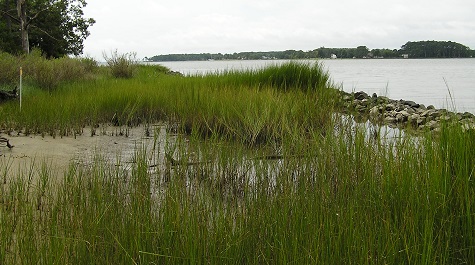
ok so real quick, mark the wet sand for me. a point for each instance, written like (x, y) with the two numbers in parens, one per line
(35, 150)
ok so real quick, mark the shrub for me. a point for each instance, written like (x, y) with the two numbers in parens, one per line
(89, 63)
(48, 74)
(9, 70)
(121, 65)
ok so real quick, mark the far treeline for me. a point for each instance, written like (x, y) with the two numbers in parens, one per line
(418, 49)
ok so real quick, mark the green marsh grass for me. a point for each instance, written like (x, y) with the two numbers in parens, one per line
(247, 109)
(344, 200)
(333, 195)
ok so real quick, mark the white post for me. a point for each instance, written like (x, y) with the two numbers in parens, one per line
(21, 76)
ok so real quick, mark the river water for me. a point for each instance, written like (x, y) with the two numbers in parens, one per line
(444, 83)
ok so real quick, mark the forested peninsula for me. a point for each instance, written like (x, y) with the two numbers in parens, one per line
(418, 49)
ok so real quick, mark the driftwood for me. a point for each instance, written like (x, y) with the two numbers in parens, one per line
(174, 162)
(8, 95)
(5, 140)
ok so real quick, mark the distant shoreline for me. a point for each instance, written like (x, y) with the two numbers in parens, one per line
(419, 49)
(223, 60)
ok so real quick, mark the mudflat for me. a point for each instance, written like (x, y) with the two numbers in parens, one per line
(59, 152)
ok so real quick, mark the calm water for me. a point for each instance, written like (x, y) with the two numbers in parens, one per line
(443, 83)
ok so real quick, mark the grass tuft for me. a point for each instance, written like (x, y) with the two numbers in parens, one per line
(121, 65)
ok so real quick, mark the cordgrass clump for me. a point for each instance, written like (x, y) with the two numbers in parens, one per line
(121, 65)
(292, 75)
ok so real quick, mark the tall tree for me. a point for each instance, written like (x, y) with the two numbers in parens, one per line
(361, 51)
(56, 27)
(24, 24)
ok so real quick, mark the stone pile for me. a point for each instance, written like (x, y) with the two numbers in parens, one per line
(401, 113)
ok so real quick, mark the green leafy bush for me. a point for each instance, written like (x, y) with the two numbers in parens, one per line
(89, 63)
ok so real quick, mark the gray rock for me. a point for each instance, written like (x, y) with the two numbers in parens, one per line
(390, 119)
(374, 111)
(382, 99)
(467, 115)
(411, 104)
(364, 102)
(420, 120)
(432, 124)
(400, 107)
(445, 118)
(413, 119)
(405, 113)
(347, 98)
(435, 114)
(361, 95)
(396, 112)
(360, 108)
(400, 117)
(390, 107)
(468, 126)
(427, 112)
(410, 110)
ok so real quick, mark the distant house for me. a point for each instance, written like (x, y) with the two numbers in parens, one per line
(405, 56)
(333, 56)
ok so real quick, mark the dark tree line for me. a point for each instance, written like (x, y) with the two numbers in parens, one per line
(56, 27)
(289, 54)
(422, 49)
(436, 49)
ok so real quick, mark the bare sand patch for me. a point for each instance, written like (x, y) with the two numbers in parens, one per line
(59, 152)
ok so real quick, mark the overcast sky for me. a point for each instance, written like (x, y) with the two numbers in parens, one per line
(153, 27)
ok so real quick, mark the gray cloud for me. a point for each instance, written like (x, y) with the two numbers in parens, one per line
(183, 26)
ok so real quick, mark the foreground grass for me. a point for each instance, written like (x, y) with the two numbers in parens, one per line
(335, 197)
(344, 200)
